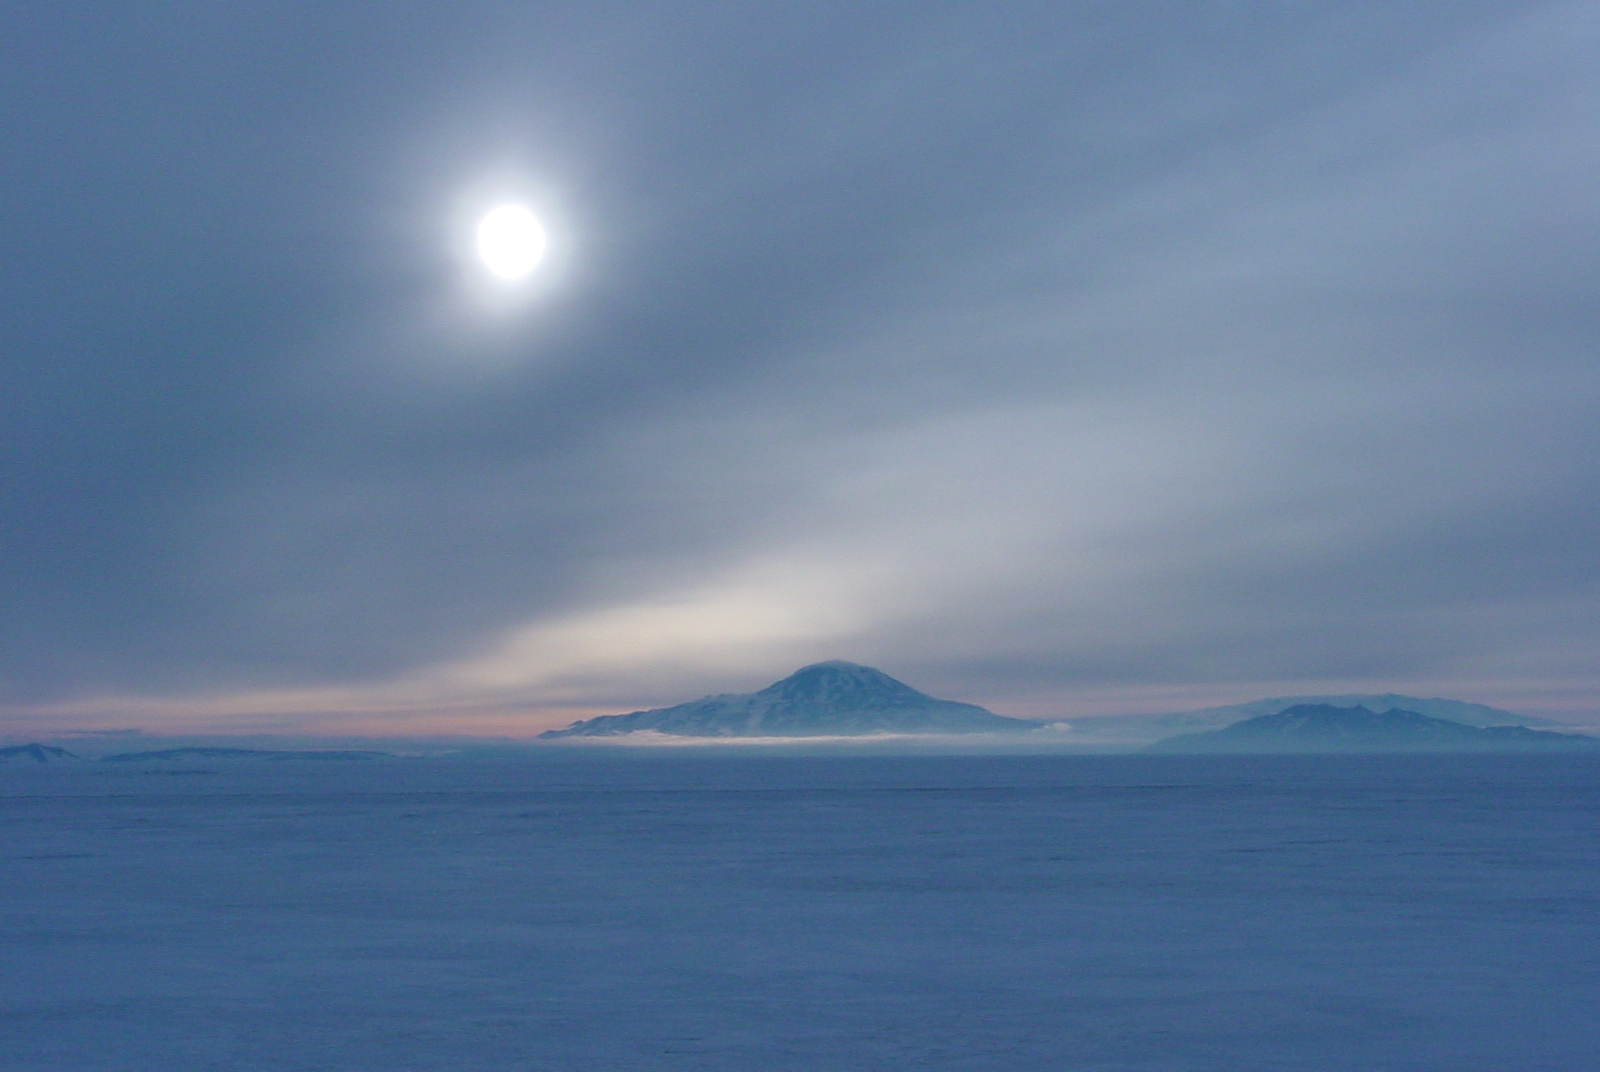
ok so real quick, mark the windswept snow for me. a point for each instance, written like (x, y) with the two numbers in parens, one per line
(688, 914)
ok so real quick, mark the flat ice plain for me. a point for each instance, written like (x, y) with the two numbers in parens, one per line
(769, 914)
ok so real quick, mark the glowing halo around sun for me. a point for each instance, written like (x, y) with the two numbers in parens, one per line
(511, 242)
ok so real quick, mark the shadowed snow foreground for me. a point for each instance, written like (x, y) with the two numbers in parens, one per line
(1022, 914)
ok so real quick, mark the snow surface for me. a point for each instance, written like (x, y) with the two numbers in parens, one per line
(767, 914)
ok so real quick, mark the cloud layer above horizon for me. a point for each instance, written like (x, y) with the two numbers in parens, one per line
(1033, 352)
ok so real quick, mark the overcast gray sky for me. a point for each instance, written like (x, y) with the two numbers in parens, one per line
(1062, 357)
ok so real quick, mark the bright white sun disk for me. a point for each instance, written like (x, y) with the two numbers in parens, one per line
(510, 242)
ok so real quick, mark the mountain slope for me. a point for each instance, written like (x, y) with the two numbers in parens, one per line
(1325, 728)
(831, 699)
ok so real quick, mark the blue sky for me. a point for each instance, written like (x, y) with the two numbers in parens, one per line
(1065, 358)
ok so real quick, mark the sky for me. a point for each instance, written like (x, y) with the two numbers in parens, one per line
(1068, 358)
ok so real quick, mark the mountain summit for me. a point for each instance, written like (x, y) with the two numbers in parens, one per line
(831, 699)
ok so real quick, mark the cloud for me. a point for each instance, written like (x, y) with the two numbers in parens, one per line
(1031, 356)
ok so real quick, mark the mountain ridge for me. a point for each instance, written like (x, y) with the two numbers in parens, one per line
(1326, 728)
(1152, 727)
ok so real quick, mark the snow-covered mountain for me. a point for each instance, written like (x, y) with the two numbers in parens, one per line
(1325, 728)
(831, 699)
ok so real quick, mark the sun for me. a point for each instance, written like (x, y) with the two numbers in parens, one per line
(511, 242)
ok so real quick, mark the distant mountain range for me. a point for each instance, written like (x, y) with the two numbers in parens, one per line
(1133, 729)
(843, 699)
(241, 754)
(1326, 728)
(831, 699)
(37, 753)
(44, 753)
